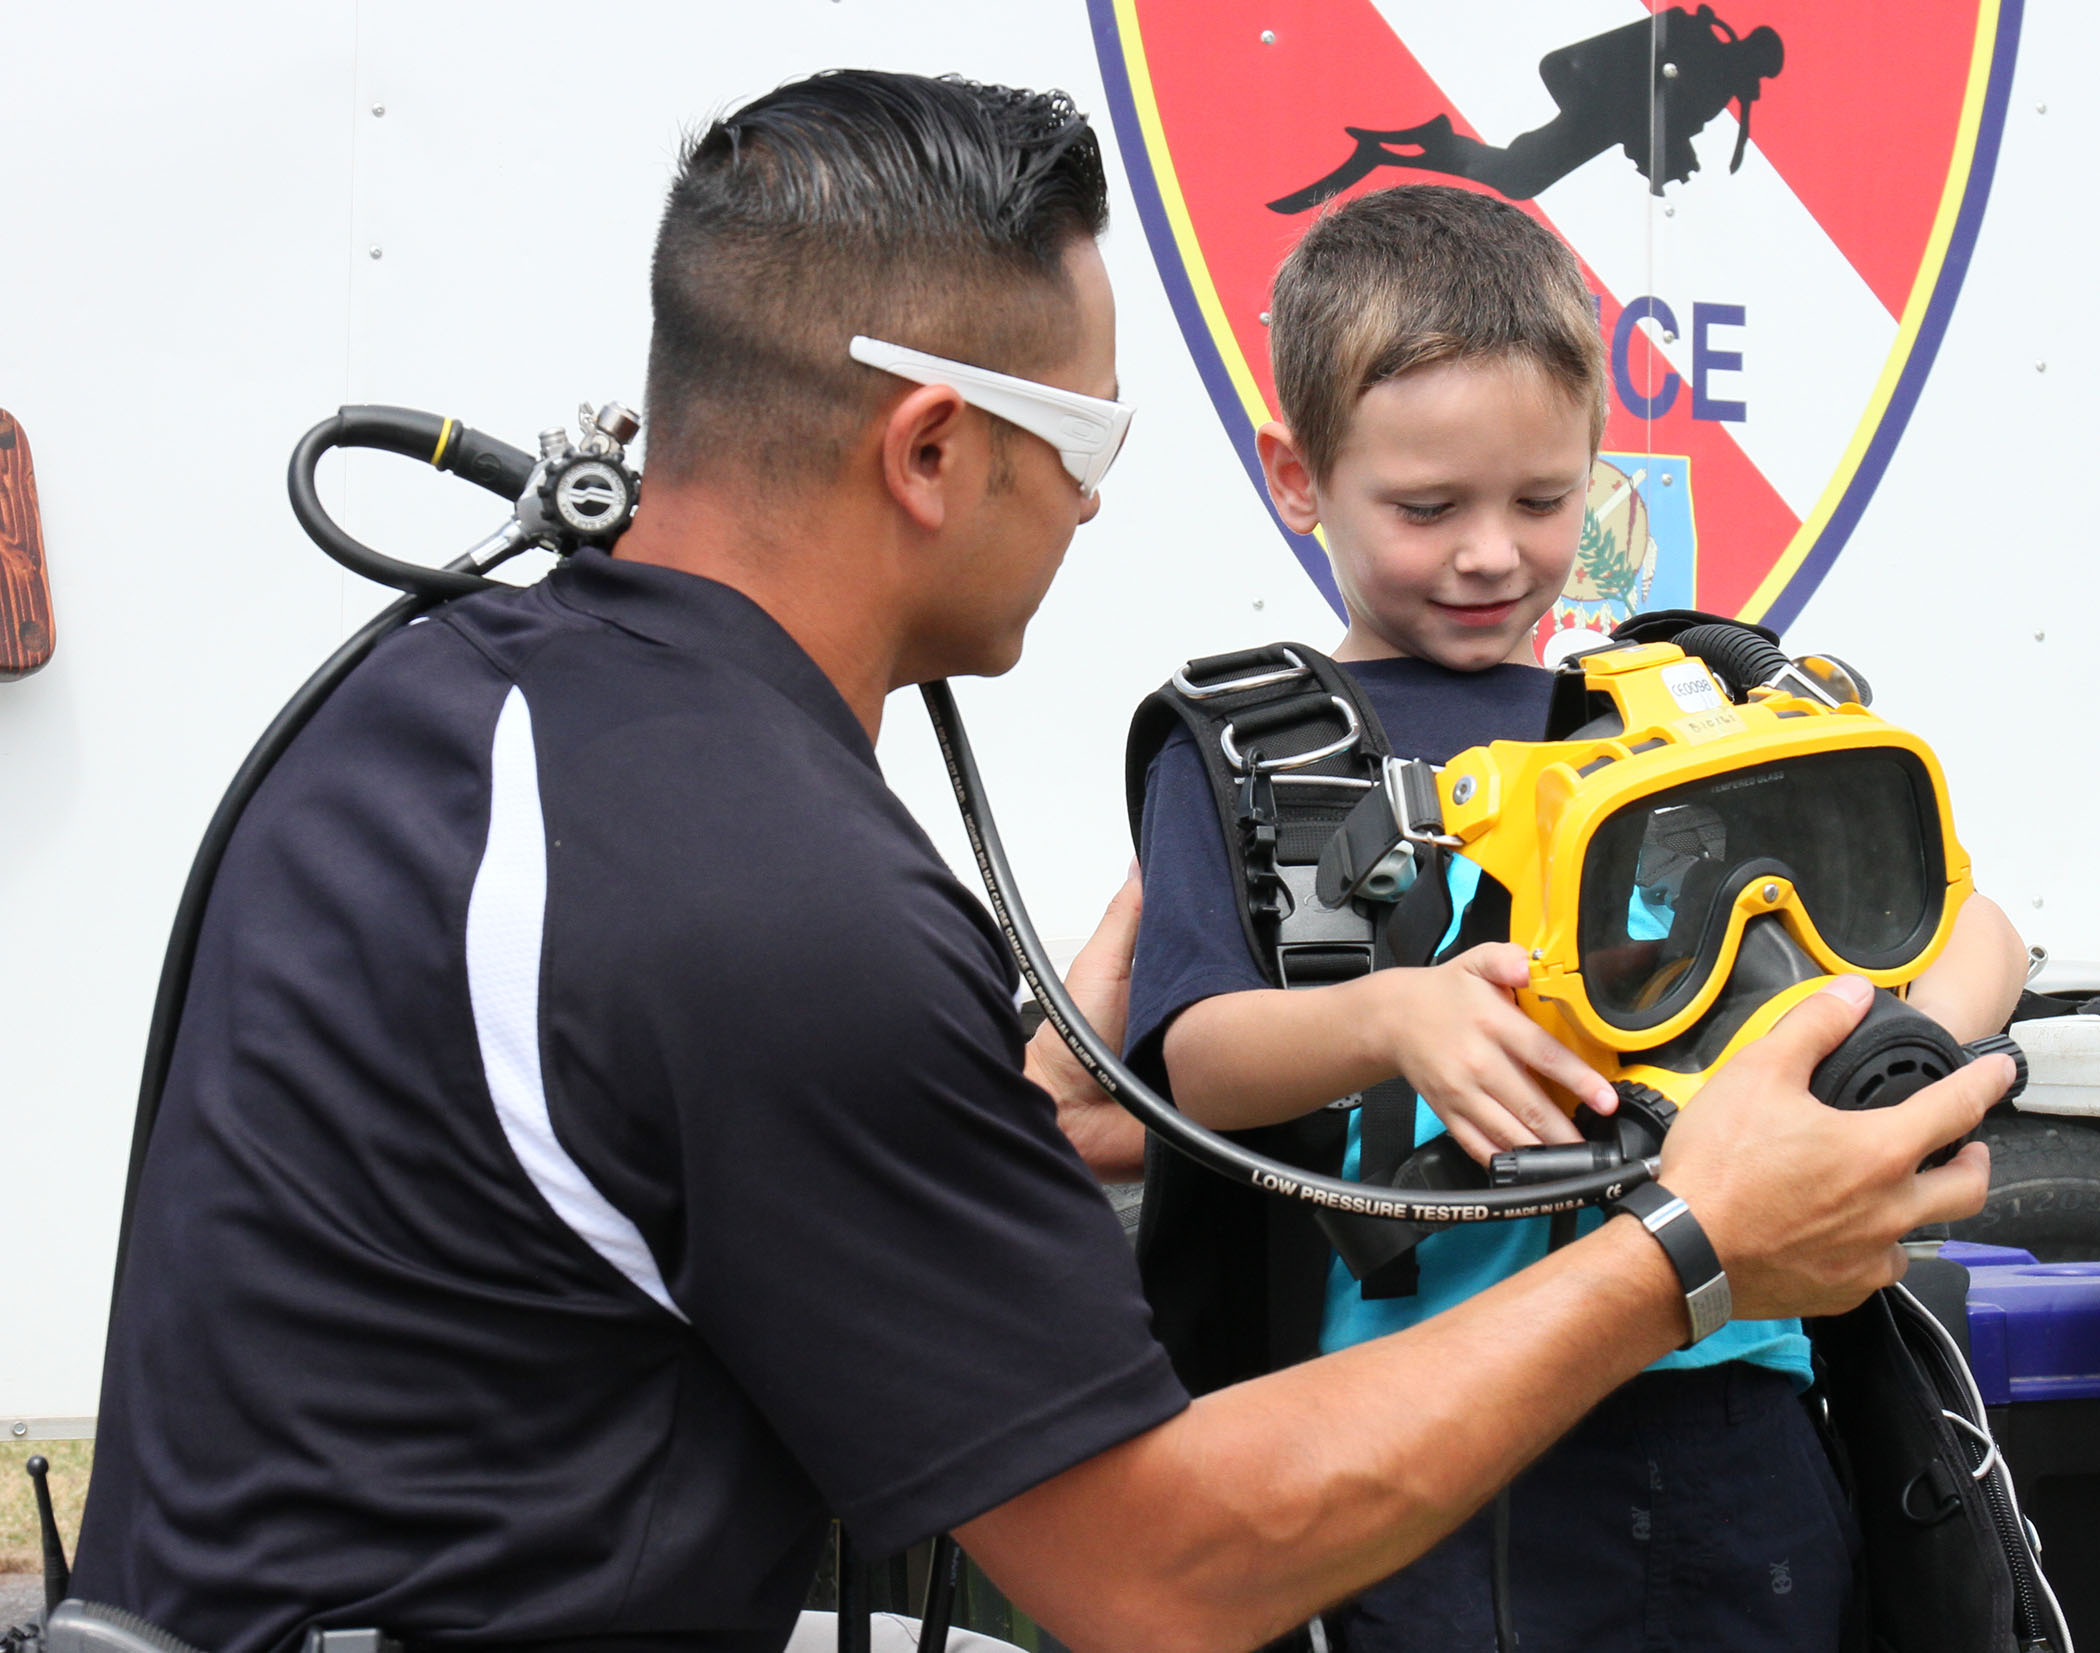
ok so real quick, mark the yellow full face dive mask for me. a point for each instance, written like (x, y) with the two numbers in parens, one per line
(1711, 841)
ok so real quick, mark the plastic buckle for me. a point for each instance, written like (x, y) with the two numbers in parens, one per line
(1322, 963)
(1255, 796)
(1410, 788)
(1372, 856)
(1256, 809)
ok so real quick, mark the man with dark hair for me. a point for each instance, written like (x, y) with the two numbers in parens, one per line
(601, 1142)
(903, 206)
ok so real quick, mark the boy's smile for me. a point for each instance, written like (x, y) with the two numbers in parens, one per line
(1452, 511)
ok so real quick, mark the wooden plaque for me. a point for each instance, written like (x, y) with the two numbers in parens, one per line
(25, 592)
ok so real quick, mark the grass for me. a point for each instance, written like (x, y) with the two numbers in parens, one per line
(21, 1541)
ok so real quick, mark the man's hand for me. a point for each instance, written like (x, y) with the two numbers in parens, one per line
(1108, 1138)
(1805, 1203)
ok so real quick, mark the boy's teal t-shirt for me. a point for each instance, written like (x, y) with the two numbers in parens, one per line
(1465, 1260)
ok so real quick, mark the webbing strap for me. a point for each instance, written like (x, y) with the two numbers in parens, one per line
(1288, 746)
(1422, 918)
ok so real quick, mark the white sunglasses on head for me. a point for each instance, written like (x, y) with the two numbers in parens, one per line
(1086, 431)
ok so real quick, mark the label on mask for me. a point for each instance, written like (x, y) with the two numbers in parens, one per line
(1699, 726)
(1692, 686)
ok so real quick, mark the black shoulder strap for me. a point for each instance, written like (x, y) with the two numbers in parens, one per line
(1291, 750)
(1289, 745)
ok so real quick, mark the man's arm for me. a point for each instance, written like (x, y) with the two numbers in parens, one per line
(1974, 984)
(1264, 1502)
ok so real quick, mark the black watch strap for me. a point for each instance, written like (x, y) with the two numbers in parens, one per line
(1707, 1299)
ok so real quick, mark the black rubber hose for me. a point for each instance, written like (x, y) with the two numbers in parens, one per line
(58, 1578)
(1160, 1116)
(444, 443)
(1738, 656)
(855, 1597)
(1501, 1600)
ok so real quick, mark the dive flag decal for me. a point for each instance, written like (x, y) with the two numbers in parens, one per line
(1774, 201)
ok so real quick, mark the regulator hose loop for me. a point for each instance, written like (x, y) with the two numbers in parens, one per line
(438, 441)
(1216, 1153)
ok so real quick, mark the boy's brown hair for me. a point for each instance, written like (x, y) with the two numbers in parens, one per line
(1412, 276)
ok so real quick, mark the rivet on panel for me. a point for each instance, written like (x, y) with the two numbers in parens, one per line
(378, 110)
(1268, 37)
(376, 251)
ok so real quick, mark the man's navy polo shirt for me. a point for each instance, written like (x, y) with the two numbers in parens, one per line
(595, 1150)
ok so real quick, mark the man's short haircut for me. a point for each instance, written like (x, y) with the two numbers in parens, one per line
(930, 213)
(1415, 275)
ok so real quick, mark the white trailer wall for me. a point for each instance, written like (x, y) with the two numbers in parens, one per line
(215, 237)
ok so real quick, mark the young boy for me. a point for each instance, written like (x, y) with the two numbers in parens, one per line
(1443, 384)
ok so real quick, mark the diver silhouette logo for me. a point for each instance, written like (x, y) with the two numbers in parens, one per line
(1650, 87)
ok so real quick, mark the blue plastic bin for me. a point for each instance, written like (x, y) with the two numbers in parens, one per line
(2034, 1328)
(2034, 1344)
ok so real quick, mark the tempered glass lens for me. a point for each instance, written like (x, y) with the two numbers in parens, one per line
(1857, 833)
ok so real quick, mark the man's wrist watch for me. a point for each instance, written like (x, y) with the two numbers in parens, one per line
(1707, 1299)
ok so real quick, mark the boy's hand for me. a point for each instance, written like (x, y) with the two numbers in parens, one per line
(1459, 1038)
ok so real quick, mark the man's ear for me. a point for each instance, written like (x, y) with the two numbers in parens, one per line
(922, 451)
(1290, 481)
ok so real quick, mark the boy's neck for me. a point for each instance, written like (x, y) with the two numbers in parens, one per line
(1361, 643)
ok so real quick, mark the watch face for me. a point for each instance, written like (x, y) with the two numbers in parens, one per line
(1711, 1306)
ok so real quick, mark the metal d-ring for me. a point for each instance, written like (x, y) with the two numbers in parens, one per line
(1301, 760)
(1235, 685)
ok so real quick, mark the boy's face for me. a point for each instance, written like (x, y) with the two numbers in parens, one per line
(1452, 510)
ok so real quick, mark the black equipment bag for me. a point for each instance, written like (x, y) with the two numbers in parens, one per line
(1950, 1565)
